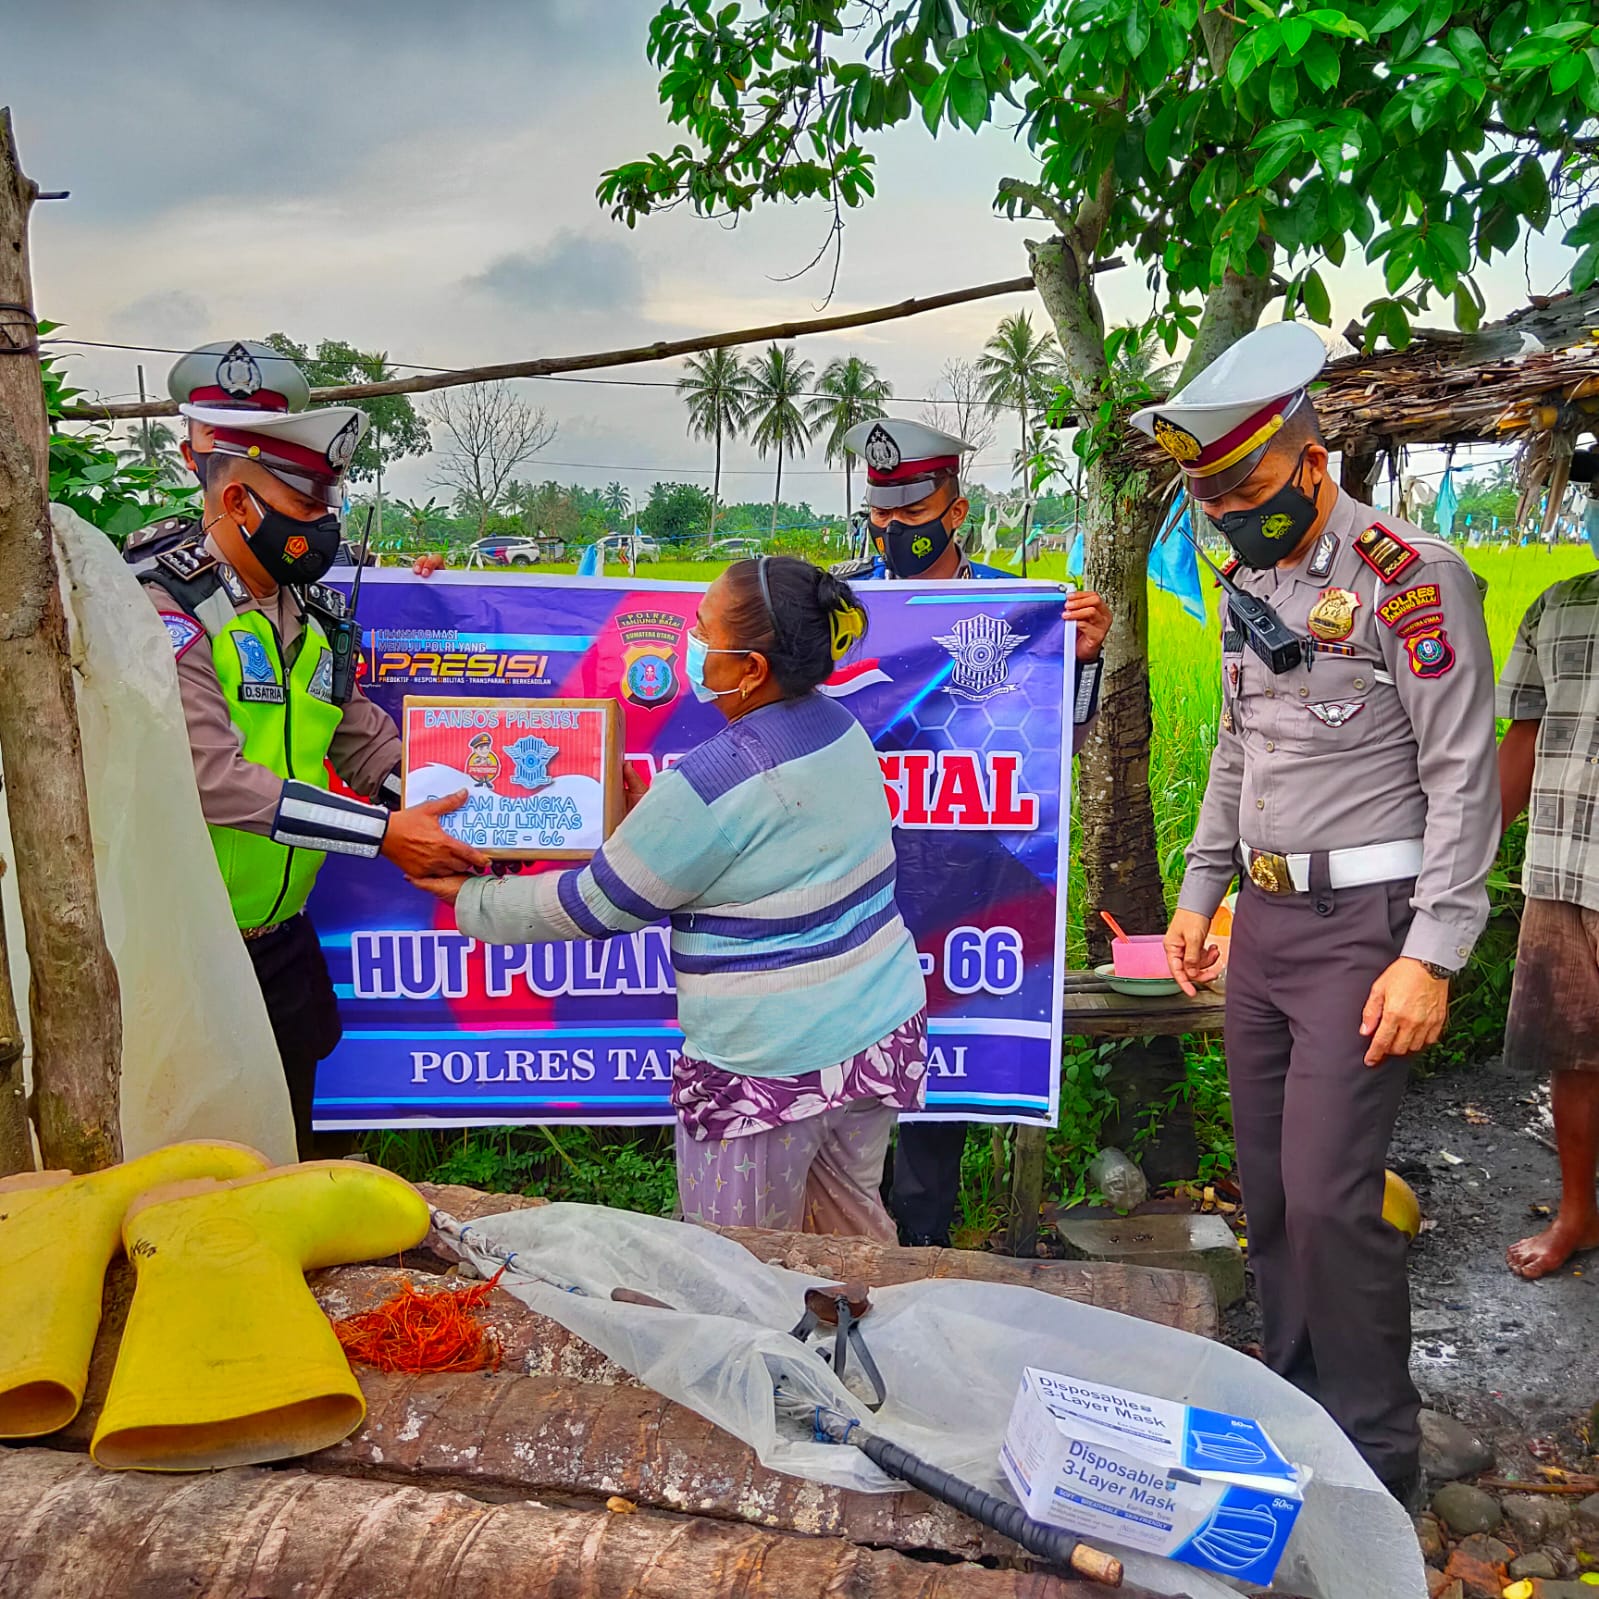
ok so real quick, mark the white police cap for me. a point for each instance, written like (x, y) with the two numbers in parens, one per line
(902, 457)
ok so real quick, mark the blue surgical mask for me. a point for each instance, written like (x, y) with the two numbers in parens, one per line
(695, 650)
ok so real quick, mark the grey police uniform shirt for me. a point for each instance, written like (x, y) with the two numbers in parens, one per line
(1389, 734)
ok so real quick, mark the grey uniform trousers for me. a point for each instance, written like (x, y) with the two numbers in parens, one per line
(1313, 1122)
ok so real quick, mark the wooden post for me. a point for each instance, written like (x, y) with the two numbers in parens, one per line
(1026, 1189)
(74, 1003)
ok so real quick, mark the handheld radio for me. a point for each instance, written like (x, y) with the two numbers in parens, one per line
(344, 632)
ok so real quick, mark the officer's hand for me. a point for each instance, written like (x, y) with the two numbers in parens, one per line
(445, 888)
(421, 848)
(427, 565)
(635, 785)
(1405, 1011)
(1191, 960)
(1092, 616)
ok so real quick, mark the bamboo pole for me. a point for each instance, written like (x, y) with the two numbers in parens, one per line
(555, 365)
(74, 1004)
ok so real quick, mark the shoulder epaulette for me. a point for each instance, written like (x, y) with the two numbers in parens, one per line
(187, 561)
(1388, 555)
(169, 530)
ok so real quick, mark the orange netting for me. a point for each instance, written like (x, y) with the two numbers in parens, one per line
(415, 1332)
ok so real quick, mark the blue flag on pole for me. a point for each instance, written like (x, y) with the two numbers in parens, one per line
(1448, 503)
(1074, 561)
(1173, 565)
(591, 563)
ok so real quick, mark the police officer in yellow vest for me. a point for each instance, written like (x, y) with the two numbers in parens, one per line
(249, 623)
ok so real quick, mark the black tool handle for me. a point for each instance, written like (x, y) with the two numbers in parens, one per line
(1048, 1543)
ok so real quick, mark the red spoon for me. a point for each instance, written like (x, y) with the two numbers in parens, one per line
(1115, 926)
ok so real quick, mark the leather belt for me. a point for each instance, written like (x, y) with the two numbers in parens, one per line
(251, 934)
(1346, 868)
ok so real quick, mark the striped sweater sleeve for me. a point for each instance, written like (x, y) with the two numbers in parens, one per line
(663, 856)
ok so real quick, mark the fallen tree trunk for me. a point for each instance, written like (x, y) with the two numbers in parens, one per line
(1180, 1299)
(71, 1531)
(552, 1438)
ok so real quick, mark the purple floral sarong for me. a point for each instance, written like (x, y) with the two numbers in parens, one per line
(711, 1103)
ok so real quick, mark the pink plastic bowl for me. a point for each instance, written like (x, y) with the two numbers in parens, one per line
(1143, 955)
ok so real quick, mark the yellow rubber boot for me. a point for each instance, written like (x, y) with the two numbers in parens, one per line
(228, 1360)
(58, 1233)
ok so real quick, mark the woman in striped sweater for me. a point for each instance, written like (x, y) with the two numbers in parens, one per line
(769, 847)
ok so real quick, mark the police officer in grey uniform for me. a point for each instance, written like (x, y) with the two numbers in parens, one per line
(915, 508)
(1355, 791)
(268, 710)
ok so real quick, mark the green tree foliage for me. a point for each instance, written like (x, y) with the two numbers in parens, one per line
(155, 444)
(715, 388)
(850, 390)
(616, 501)
(675, 512)
(396, 425)
(777, 379)
(1203, 137)
(88, 474)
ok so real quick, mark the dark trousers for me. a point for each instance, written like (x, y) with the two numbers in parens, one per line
(294, 979)
(926, 1185)
(1313, 1123)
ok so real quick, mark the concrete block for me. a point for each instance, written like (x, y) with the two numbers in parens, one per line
(1179, 1243)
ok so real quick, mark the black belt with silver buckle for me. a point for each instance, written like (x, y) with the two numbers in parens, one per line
(1270, 872)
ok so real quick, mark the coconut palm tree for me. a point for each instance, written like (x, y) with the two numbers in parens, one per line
(1138, 374)
(851, 390)
(776, 380)
(616, 501)
(714, 389)
(1019, 370)
(155, 444)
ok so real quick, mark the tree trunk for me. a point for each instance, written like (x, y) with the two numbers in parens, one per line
(716, 488)
(1232, 309)
(16, 1142)
(278, 1534)
(1120, 862)
(74, 1004)
(1027, 489)
(849, 490)
(777, 492)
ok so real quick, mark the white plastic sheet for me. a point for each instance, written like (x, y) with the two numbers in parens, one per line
(198, 1058)
(951, 1353)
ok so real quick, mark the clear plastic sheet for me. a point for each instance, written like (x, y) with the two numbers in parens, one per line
(198, 1058)
(952, 1354)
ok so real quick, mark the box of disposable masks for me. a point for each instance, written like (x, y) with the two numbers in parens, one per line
(1201, 1486)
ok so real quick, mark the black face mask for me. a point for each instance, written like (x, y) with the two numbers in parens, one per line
(909, 548)
(292, 551)
(1271, 531)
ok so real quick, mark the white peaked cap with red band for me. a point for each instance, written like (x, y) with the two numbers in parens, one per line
(252, 399)
(1217, 427)
(902, 457)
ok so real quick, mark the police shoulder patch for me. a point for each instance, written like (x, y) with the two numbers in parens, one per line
(182, 631)
(1385, 552)
(1418, 597)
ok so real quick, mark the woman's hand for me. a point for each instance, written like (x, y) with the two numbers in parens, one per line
(1092, 616)
(445, 888)
(635, 785)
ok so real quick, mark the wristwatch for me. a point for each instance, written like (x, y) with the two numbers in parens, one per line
(1442, 973)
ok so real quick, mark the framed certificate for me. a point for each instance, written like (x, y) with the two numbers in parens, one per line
(543, 776)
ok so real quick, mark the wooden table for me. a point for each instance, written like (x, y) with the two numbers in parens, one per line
(1090, 1008)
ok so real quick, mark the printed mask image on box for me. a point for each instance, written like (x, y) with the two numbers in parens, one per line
(543, 777)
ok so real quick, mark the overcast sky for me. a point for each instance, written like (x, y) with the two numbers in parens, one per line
(419, 179)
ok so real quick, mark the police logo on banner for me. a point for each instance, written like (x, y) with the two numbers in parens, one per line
(981, 647)
(650, 641)
(258, 683)
(530, 758)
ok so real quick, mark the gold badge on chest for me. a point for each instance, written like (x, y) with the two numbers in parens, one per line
(1332, 617)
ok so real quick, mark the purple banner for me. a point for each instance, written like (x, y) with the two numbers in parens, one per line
(962, 687)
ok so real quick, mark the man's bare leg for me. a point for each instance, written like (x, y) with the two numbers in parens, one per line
(1576, 1227)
